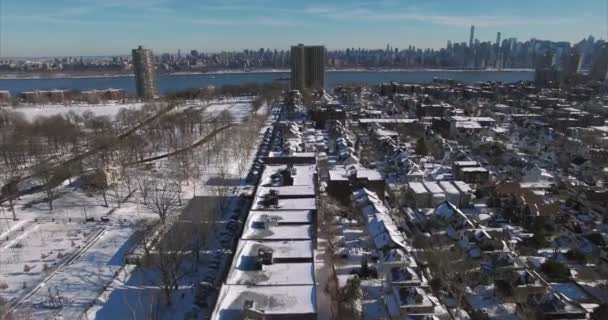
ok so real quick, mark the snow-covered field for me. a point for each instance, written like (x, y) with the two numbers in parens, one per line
(57, 251)
(92, 254)
(108, 109)
(239, 108)
(135, 292)
(32, 254)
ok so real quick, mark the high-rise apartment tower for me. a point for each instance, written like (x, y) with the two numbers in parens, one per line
(599, 68)
(145, 73)
(307, 67)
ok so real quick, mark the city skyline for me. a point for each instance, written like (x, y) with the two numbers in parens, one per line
(112, 27)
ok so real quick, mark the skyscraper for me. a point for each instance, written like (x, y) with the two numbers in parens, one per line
(573, 64)
(599, 68)
(545, 69)
(145, 73)
(307, 67)
(472, 37)
(498, 39)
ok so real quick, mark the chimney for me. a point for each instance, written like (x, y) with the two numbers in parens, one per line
(265, 256)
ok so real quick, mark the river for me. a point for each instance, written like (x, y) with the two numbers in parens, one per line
(175, 82)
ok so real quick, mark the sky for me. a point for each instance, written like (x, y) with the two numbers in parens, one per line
(36, 28)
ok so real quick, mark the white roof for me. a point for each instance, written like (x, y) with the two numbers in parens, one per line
(243, 269)
(474, 169)
(339, 173)
(467, 163)
(286, 216)
(462, 186)
(290, 204)
(274, 300)
(256, 228)
(433, 187)
(385, 121)
(287, 191)
(476, 119)
(304, 174)
(448, 187)
(417, 187)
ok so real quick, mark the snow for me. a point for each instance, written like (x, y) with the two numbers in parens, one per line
(292, 204)
(433, 187)
(106, 109)
(239, 108)
(483, 299)
(417, 188)
(275, 232)
(82, 281)
(91, 265)
(289, 191)
(274, 300)
(287, 216)
(304, 174)
(280, 271)
(80, 258)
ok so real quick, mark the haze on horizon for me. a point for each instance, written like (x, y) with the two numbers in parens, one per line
(36, 28)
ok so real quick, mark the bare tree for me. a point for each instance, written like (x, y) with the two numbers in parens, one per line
(51, 178)
(447, 263)
(163, 199)
(204, 223)
(168, 259)
(10, 191)
(144, 185)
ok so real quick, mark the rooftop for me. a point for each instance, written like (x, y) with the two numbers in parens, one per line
(281, 269)
(274, 300)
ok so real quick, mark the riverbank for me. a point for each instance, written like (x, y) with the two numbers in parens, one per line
(28, 76)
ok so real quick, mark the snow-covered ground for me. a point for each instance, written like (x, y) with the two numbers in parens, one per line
(92, 254)
(105, 109)
(57, 251)
(239, 108)
(135, 292)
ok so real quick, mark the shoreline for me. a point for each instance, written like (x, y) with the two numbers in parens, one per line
(222, 72)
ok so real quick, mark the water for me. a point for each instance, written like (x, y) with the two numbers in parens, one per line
(171, 83)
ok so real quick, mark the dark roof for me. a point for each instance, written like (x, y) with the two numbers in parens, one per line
(579, 160)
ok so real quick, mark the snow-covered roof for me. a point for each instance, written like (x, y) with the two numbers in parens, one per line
(380, 225)
(289, 191)
(274, 300)
(304, 174)
(278, 225)
(448, 187)
(433, 187)
(417, 187)
(463, 186)
(245, 269)
(341, 172)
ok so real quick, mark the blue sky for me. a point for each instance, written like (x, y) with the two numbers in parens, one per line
(104, 27)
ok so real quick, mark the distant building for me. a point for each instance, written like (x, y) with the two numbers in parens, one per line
(47, 96)
(545, 69)
(5, 97)
(573, 64)
(307, 67)
(145, 73)
(472, 37)
(105, 95)
(599, 69)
